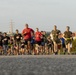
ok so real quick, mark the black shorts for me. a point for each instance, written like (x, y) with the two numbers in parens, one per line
(38, 42)
(26, 41)
(0, 44)
(63, 46)
(23, 46)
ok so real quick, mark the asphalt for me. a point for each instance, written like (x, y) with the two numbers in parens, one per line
(38, 65)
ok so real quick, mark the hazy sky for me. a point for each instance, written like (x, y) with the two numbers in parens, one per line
(38, 13)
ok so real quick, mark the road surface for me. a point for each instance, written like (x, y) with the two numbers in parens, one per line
(38, 65)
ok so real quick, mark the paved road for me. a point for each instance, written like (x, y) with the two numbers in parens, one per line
(38, 65)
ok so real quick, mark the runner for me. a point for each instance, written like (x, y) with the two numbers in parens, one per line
(63, 43)
(5, 43)
(55, 33)
(1, 38)
(38, 36)
(32, 43)
(68, 38)
(10, 46)
(27, 37)
(22, 48)
(43, 41)
(17, 39)
(50, 45)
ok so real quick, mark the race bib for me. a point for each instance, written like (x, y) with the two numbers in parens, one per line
(71, 45)
(5, 39)
(17, 37)
(22, 44)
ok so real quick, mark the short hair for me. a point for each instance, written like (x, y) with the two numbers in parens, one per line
(68, 27)
(37, 28)
(26, 24)
(55, 26)
(16, 29)
(5, 33)
(0, 32)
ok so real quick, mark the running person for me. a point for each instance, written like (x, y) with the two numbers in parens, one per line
(55, 33)
(17, 38)
(43, 41)
(5, 42)
(68, 38)
(50, 45)
(63, 43)
(38, 40)
(10, 46)
(27, 36)
(1, 38)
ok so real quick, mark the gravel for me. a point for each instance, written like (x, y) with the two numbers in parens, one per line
(38, 65)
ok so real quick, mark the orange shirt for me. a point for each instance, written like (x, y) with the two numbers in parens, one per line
(38, 36)
(27, 33)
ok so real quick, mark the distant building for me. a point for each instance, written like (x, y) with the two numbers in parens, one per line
(10, 28)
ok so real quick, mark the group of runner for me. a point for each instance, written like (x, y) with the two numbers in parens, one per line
(36, 42)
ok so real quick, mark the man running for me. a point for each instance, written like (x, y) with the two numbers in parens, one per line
(68, 38)
(55, 33)
(1, 38)
(5, 42)
(27, 36)
(38, 40)
(63, 43)
(17, 39)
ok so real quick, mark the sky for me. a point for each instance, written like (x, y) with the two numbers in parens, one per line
(43, 14)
